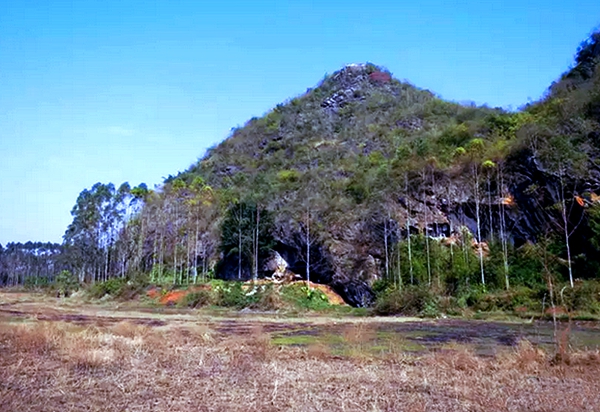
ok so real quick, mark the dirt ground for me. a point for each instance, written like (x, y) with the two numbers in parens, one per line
(70, 355)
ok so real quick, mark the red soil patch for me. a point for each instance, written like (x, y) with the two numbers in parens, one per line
(153, 293)
(173, 297)
(521, 309)
(556, 311)
(380, 77)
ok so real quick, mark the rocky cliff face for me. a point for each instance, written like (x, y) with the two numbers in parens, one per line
(352, 257)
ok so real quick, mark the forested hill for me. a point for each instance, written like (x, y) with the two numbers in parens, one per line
(366, 177)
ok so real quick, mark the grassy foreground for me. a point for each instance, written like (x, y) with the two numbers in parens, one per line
(182, 366)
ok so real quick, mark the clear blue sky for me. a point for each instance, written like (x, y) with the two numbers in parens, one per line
(114, 91)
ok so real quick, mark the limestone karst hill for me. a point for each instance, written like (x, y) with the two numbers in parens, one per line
(364, 177)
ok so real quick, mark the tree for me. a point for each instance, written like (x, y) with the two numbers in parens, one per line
(238, 236)
(504, 200)
(408, 234)
(559, 155)
(202, 205)
(137, 204)
(476, 147)
(90, 238)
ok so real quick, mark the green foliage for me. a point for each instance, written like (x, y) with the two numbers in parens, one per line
(456, 135)
(268, 298)
(303, 297)
(517, 299)
(288, 176)
(526, 266)
(594, 223)
(411, 301)
(584, 297)
(119, 287)
(239, 229)
(488, 164)
(112, 287)
(232, 295)
(66, 283)
(197, 299)
(37, 282)
(357, 190)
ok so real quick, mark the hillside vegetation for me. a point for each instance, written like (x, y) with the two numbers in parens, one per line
(375, 187)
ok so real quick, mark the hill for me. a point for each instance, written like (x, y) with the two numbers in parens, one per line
(368, 181)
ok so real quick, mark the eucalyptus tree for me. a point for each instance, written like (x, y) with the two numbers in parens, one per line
(137, 222)
(238, 236)
(504, 200)
(476, 148)
(204, 214)
(563, 160)
(89, 239)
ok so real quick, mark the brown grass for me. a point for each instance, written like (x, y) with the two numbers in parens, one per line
(61, 366)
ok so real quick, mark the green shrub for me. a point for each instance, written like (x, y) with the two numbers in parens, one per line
(36, 282)
(584, 297)
(112, 287)
(232, 295)
(267, 297)
(303, 297)
(288, 176)
(381, 286)
(197, 299)
(411, 300)
(135, 286)
(66, 283)
(471, 296)
(518, 298)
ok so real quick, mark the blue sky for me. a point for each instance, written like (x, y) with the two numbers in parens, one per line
(114, 91)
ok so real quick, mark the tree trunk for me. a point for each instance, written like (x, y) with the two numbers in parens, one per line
(385, 243)
(566, 225)
(308, 247)
(478, 216)
(503, 233)
(255, 275)
(427, 237)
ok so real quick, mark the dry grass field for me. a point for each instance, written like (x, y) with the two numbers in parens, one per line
(186, 365)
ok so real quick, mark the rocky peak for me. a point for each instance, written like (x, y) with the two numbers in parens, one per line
(352, 83)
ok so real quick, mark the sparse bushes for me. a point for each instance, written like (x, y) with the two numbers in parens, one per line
(411, 300)
(517, 299)
(231, 295)
(66, 283)
(303, 297)
(288, 176)
(197, 299)
(238, 295)
(119, 287)
(269, 298)
(37, 282)
(111, 287)
(584, 297)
